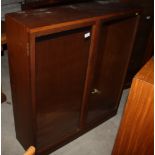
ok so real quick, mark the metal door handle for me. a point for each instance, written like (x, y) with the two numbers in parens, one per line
(148, 17)
(96, 91)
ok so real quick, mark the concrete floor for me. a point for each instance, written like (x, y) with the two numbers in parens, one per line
(98, 141)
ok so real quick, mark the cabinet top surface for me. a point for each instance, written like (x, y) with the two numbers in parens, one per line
(147, 72)
(66, 13)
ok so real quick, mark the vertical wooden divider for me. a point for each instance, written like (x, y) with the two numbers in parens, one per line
(32, 66)
(90, 71)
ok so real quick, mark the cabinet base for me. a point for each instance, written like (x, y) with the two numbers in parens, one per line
(47, 150)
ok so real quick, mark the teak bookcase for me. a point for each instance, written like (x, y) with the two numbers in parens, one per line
(67, 67)
(136, 131)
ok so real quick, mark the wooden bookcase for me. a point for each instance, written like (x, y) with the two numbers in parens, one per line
(67, 66)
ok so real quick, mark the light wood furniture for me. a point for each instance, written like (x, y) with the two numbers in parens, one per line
(30, 151)
(67, 68)
(136, 132)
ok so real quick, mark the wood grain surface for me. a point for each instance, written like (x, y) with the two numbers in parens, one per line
(51, 17)
(111, 63)
(17, 39)
(53, 54)
(136, 132)
(60, 84)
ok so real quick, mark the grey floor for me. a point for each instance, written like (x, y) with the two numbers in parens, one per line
(98, 141)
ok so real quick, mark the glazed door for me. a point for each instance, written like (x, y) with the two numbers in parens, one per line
(115, 45)
(61, 63)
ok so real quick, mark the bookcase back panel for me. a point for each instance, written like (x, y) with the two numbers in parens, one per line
(60, 76)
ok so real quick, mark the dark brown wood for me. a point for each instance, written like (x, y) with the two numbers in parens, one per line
(136, 132)
(141, 53)
(3, 27)
(150, 47)
(58, 52)
(20, 82)
(60, 83)
(32, 4)
(115, 46)
(40, 20)
(90, 72)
